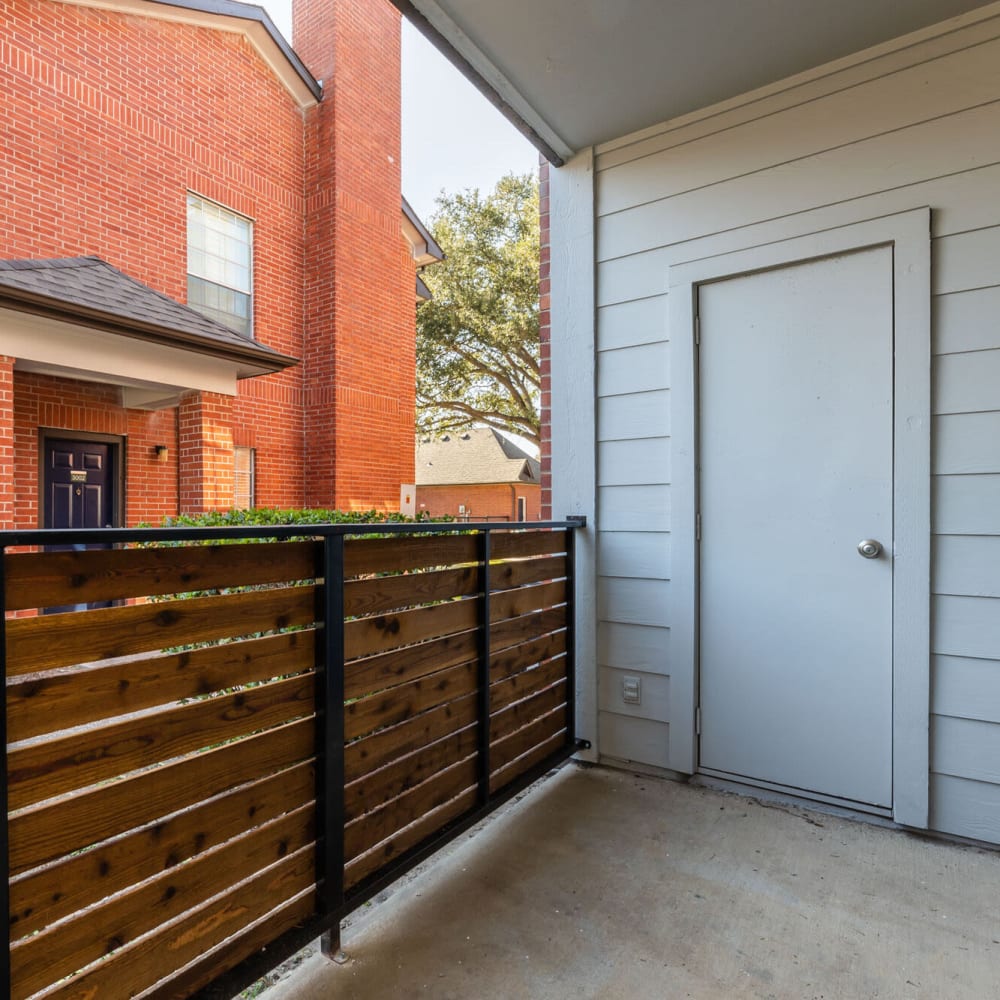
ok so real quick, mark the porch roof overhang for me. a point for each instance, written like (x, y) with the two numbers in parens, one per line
(81, 318)
(577, 73)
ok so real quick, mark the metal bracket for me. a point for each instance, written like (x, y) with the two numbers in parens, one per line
(580, 520)
(583, 744)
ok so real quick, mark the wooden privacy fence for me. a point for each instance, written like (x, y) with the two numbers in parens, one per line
(223, 747)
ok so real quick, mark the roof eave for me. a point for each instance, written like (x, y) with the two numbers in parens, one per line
(251, 360)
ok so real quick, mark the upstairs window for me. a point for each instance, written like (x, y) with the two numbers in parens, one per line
(220, 264)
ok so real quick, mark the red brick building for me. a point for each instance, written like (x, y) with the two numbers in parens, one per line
(477, 474)
(183, 149)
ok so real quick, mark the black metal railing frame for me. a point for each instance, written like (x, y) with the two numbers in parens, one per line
(333, 902)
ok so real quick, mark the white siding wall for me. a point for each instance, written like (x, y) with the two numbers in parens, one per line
(917, 126)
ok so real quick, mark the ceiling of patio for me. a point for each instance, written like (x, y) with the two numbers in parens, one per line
(581, 72)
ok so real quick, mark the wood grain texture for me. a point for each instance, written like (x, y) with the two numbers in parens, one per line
(386, 853)
(510, 772)
(231, 952)
(526, 683)
(50, 641)
(516, 574)
(407, 772)
(390, 593)
(51, 579)
(401, 666)
(53, 701)
(43, 833)
(512, 631)
(363, 756)
(387, 708)
(143, 963)
(522, 713)
(509, 748)
(380, 824)
(38, 771)
(367, 636)
(68, 886)
(398, 553)
(525, 544)
(41, 959)
(520, 601)
(514, 659)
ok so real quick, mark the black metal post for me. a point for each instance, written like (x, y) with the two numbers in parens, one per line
(4, 841)
(483, 673)
(330, 755)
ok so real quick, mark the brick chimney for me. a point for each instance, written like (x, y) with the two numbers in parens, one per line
(359, 363)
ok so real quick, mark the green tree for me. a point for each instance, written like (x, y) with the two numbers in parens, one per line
(477, 339)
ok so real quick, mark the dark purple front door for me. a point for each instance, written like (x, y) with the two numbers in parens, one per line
(79, 484)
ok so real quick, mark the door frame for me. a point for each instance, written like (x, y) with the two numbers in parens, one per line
(908, 233)
(117, 443)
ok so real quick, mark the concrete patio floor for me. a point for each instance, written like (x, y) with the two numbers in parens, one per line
(600, 883)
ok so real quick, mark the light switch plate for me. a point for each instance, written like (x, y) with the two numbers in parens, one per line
(631, 690)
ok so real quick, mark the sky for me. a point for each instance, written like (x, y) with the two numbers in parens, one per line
(453, 138)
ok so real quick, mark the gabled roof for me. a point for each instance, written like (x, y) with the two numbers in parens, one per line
(88, 291)
(481, 455)
(423, 246)
(230, 15)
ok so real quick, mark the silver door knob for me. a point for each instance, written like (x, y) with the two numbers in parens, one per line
(869, 548)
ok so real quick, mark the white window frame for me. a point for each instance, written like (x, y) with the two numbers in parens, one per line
(250, 454)
(231, 265)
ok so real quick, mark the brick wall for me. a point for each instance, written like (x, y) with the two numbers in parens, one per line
(8, 502)
(481, 501)
(544, 334)
(360, 360)
(109, 119)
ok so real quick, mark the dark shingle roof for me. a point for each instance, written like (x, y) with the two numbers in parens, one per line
(480, 455)
(89, 290)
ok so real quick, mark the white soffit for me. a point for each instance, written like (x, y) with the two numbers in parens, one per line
(51, 347)
(583, 72)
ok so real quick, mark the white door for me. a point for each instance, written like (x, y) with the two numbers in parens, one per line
(796, 454)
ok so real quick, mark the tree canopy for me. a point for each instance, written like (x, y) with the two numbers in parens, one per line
(477, 339)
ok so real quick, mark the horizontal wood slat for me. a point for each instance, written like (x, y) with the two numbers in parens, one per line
(399, 776)
(524, 544)
(50, 641)
(522, 740)
(52, 579)
(144, 962)
(385, 670)
(512, 631)
(514, 603)
(396, 554)
(38, 771)
(62, 888)
(516, 574)
(521, 713)
(505, 775)
(42, 833)
(388, 593)
(232, 951)
(375, 635)
(387, 708)
(382, 823)
(47, 703)
(526, 683)
(42, 959)
(514, 659)
(384, 854)
(364, 756)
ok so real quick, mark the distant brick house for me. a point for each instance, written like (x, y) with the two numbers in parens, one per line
(477, 474)
(208, 290)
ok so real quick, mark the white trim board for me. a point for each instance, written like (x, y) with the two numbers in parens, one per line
(909, 235)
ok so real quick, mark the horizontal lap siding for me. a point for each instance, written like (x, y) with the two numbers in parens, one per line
(919, 126)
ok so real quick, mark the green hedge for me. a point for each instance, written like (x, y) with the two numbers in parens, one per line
(266, 516)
